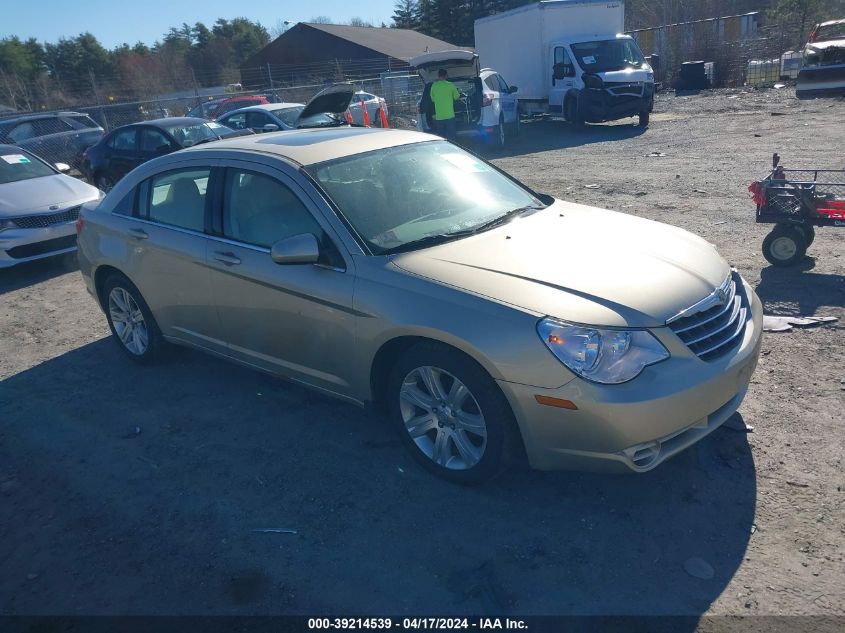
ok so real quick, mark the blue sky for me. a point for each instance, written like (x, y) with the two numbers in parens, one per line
(114, 22)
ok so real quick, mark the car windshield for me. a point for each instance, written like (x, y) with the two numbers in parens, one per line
(607, 55)
(399, 198)
(290, 117)
(193, 133)
(19, 165)
(831, 32)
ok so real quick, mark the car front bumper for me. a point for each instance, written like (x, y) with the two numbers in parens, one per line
(640, 424)
(24, 245)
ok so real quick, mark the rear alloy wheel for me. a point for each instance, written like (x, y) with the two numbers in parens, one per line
(130, 320)
(784, 246)
(103, 183)
(450, 413)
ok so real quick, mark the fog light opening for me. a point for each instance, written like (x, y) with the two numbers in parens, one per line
(643, 455)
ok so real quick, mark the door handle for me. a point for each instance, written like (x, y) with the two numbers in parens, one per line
(230, 259)
(138, 234)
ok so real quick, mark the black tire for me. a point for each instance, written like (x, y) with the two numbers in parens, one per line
(644, 117)
(517, 125)
(154, 340)
(808, 232)
(103, 183)
(485, 397)
(499, 138)
(784, 246)
(570, 111)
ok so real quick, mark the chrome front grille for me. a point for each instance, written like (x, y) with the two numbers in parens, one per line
(45, 220)
(711, 327)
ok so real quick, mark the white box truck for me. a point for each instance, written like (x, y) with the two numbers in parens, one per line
(569, 57)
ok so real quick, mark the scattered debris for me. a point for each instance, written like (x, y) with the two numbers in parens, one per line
(31, 576)
(753, 528)
(275, 530)
(779, 86)
(400, 469)
(640, 193)
(135, 431)
(699, 568)
(779, 113)
(785, 323)
(591, 186)
(758, 135)
(733, 97)
(798, 484)
(720, 222)
(736, 423)
(699, 191)
(655, 155)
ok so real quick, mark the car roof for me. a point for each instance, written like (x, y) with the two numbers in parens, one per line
(832, 22)
(33, 117)
(263, 107)
(244, 98)
(167, 121)
(311, 146)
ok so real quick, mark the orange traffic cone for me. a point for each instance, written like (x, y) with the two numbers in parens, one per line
(366, 115)
(383, 118)
(349, 117)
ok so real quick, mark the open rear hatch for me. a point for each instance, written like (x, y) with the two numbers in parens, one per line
(459, 64)
(333, 100)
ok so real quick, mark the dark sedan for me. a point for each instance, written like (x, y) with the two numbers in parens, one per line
(124, 148)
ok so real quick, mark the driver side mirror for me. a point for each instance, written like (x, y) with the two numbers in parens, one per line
(512, 89)
(298, 249)
(270, 127)
(63, 167)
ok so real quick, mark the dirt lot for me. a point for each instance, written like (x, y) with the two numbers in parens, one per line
(98, 518)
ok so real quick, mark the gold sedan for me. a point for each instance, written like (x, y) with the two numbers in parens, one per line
(399, 272)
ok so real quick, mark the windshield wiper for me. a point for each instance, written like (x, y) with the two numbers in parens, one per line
(440, 238)
(504, 219)
(428, 240)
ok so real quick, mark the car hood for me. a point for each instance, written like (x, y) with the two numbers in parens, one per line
(629, 75)
(816, 47)
(332, 100)
(45, 194)
(580, 264)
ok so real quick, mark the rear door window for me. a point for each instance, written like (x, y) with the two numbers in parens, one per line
(123, 141)
(178, 198)
(22, 132)
(154, 142)
(491, 84)
(260, 210)
(45, 127)
(80, 122)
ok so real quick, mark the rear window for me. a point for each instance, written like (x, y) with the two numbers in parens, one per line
(16, 166)
(80, 122)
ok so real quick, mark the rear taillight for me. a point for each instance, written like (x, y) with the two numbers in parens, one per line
(487, 100)
(79, 223)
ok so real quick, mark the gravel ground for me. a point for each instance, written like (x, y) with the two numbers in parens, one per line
(138, 490)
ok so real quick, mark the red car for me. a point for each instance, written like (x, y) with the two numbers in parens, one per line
(218, 107)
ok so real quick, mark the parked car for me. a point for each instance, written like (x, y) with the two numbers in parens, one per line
(372, 103)
(38, 207)
(488, 105)
(325, 109)
(823, 68)
(59, 137)
(124, 148)
(218, 107)
(570, 58)
(392, 269)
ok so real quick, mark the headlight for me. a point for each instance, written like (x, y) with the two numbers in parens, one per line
(606, 356)
(7, 224)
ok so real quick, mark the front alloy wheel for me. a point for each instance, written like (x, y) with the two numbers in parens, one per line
(443, 418)
(450, 414)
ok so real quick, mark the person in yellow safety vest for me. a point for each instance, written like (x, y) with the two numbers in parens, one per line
(443, 95)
